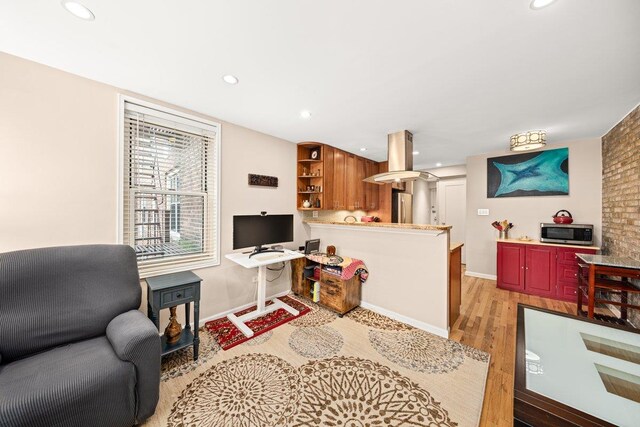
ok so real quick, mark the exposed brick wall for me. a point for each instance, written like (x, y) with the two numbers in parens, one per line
(621, 191)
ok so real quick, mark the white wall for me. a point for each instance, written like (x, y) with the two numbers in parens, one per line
(526, 213)
(58, 173)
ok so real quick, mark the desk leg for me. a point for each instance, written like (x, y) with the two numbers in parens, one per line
(153, 316)
(187, 315)
(592, 290)
(196, 329)
(261, 309)
(262, 287)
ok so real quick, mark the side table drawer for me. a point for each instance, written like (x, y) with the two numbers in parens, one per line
(172, 297)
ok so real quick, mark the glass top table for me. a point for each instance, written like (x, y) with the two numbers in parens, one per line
(581, 371)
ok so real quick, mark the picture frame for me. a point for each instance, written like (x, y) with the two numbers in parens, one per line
(535, 174)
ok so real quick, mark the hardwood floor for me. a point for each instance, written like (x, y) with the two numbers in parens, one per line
(488, 322)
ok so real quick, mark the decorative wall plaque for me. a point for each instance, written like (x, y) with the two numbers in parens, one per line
(263, 180)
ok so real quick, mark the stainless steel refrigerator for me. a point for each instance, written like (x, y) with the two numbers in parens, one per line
(401, 207)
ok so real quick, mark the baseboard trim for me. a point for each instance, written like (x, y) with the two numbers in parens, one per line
(481, 275)
(242, 307)
(404, 319)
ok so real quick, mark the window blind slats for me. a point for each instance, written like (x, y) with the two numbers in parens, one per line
(170, 190)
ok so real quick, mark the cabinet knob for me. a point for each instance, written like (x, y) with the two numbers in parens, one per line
(179, 295)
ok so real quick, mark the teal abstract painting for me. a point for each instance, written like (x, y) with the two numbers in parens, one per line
(544, 173)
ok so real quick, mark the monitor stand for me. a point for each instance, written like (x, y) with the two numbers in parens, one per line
(261, 250)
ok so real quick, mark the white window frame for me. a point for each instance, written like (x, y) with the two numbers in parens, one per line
(188, 119)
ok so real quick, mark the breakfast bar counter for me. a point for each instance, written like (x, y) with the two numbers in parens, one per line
(408, 267)
(426, 227)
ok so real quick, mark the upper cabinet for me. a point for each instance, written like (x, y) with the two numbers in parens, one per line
(329, 168)
(351, 182)
(371, 194)
(338, 180)
(340, 184)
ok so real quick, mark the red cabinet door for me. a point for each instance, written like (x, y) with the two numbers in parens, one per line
(540, 270)
(511, 263)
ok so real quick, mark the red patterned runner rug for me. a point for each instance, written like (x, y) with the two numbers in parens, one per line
(228, 336)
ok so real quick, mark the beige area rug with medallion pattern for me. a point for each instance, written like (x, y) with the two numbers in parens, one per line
(321, 370)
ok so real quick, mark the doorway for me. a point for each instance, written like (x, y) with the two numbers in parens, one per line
(452, 208)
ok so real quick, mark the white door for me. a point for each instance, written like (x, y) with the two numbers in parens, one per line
(452, 207)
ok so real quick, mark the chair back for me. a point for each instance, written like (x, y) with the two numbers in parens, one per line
(53, 296)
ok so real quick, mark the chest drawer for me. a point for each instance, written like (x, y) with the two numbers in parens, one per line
(332, 292)
(568, 273)
(331, 279)
(569, 256)
(176, 296)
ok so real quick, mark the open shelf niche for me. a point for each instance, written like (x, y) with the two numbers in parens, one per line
(310, 173)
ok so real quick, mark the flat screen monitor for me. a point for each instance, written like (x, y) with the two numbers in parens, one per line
(258, 230)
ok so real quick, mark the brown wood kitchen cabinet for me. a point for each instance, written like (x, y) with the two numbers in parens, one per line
(351, 183)
(455, 282)
(360, 184)
(341, 183)
(338, 180)
(371, 190)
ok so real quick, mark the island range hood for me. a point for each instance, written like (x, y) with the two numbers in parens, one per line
(400, 157)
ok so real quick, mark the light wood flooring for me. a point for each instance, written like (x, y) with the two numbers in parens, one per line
(488, 322)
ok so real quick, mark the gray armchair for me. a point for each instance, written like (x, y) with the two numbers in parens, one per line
(74, 349)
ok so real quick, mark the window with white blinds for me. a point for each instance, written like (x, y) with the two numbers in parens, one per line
(170, 190)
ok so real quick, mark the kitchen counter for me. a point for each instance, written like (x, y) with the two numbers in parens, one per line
(455, 245)
(383, 225)
(611, 261)
(538, 242)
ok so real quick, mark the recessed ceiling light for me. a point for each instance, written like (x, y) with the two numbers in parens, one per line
(415, 153)
(438, 164)
(539, 4)
(363, 149)
(305, 114)
(78, 10)
(232, 80)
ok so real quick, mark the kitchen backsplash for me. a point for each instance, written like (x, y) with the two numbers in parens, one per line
(333, 215)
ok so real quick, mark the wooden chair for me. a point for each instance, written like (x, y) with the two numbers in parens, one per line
(608, 291)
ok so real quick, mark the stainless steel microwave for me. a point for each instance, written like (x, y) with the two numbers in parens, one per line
(571, 234)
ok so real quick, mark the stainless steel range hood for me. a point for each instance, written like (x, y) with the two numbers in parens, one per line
(400, 156)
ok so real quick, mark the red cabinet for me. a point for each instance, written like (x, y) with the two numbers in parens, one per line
(567, 272)
(540, 270)
(543, 270)
(511, 259)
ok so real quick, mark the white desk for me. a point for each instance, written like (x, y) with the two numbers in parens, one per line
(261, 261)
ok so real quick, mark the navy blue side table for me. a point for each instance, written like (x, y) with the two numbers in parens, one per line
(170, 290)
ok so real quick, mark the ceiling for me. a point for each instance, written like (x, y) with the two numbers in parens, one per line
(461, 75)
